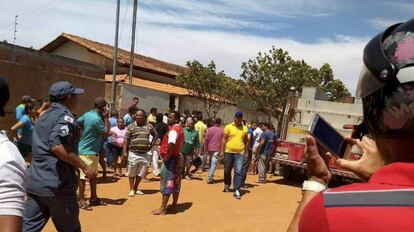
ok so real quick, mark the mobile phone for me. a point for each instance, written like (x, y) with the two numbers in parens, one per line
(328, 137)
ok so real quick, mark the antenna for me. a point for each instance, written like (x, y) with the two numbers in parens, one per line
(15, 29)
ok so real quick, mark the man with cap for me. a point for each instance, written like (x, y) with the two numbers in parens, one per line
(234, 148)
(51, 191)
(385, 201)
(95, 126)
(20, 108)
(13, 175)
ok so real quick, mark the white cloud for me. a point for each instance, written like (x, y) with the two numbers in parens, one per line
(95, 20)
(229, 50)
(381, 23)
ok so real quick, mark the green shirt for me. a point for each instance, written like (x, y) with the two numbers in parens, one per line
(93, 127)
(191, 141)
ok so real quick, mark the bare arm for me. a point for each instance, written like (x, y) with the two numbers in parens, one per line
(223, 144)
(154, 138)
(306, 198)
(14, 129)
(125, 149)
(10, 223)
(259, 146)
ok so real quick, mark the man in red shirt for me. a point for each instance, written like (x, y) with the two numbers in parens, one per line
(170, 181)
(385, 202)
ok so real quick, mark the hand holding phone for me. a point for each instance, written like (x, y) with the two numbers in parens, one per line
(328, 137)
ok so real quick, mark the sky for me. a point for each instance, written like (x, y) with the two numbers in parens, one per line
(228, 32)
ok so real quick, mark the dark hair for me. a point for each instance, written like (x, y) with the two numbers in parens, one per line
(115, 114)
(186, 112)
(199, 115)
(194, 112)
(135, 98)
(57, 99)
(159, 117)
(120, 119)
(143, 111)
(153, 110)
(217, 121)
(28, 107)
(177, 115)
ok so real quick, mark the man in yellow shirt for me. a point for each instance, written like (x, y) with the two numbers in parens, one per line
(234, 148)
(152, 116)
(202, 129)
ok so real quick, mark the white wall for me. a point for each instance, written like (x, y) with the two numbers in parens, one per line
(148, 98)
(77, 52)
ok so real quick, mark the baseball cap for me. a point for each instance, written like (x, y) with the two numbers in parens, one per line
(99, 102)
(63, 89)
(239, 114)
(26, 98)
(4, 95)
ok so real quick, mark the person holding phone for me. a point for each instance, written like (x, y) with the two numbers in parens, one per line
(385, 201)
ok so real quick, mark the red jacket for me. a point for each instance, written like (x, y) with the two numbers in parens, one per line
(178, 143)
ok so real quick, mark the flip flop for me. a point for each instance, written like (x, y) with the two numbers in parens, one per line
(85, 206)
(97, 202)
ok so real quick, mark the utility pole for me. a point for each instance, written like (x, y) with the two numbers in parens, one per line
(15, 30)
(134, 25)
(115, 57)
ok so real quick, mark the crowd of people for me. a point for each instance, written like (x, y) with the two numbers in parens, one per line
(63, 152)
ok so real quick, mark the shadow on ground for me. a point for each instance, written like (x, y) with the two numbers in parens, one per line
(150, 191)
(180, 208)
(107, 180)
(119, 201)
(284, 181)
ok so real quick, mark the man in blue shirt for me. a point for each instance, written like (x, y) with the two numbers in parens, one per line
(94, 129)
(263, 149)
(52, 175)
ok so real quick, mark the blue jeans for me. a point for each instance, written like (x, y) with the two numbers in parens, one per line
(214, 161)
(236, 161)
(106, 149)
(245, 168)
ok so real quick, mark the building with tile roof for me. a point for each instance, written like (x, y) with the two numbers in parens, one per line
(154, 80)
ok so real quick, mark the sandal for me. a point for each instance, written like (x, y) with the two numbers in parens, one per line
(97, 202)
(85, 206)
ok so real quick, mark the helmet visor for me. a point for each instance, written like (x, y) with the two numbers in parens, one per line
(368, 83)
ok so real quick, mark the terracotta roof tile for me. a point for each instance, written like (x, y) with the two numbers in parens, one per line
(171, 89)
(106, 50)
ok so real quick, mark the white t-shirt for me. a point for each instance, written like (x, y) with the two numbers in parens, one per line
(256, 136)
(13, 178)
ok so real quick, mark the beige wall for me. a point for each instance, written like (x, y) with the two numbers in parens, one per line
(226, 111)
(78, 52)
(29, 72)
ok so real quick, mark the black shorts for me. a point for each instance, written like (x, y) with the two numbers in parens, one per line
(25, 149)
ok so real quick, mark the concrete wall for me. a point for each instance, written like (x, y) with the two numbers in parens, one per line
(148, 98)
(226, 111)
(30, 72)
(75, 51)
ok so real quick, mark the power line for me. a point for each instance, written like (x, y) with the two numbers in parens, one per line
(123, 22)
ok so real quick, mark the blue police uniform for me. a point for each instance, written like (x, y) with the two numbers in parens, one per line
(53, 182)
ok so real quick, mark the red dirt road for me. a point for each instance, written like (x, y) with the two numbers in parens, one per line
(264, 207)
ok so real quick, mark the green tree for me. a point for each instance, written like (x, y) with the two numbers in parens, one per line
(214, 88)
(270, 76)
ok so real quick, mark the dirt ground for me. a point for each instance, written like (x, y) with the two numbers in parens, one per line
(202, 207)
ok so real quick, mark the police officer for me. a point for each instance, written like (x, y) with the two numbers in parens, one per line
(52, 175)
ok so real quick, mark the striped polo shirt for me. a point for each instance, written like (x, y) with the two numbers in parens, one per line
(139, 137)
